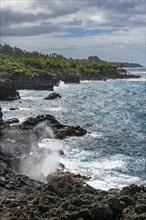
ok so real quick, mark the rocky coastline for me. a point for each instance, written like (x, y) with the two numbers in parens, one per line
(47, 82)
(64, 195)
(8, 93)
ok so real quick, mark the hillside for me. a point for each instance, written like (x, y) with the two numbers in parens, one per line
(34, 70)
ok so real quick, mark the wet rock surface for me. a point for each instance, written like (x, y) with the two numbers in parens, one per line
(63, 196)
(8, 94)
(53, 95)
(12, 121)
(60, 131)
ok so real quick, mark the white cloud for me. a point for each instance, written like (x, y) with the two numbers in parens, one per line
(41, 25)
(91, 14)
(17, 5)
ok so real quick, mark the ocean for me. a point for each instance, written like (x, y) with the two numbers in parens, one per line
(113, 152)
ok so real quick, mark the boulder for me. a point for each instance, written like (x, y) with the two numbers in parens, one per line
(8, 94)
(12, 120)
(60, 131)
(70, 131)
(115, 204)
(13, 109)
(53, 96)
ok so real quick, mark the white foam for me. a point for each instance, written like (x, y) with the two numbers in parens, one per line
(86, 81)
(25, 109)
(113, 181)
(61, 83)
(58, 109)
(31, 98)
(105, 173)
(53, 144)
(135, 79)
(95, 134)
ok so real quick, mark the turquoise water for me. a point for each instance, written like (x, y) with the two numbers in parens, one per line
(113, 153)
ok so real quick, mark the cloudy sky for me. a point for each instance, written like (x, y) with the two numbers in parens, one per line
(114, 30)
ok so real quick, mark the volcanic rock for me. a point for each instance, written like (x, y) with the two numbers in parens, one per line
(8, 94)
(60, 131)
(13, 109)
(53, 96)
(65, 196)
(12, 121)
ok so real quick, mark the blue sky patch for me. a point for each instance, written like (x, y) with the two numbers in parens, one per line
(79, 32)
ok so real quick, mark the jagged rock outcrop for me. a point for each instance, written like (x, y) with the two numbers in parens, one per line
(65, 196)
(8, 94)
(60, 131)
(12, 121)
(53, 95)
(22, 137)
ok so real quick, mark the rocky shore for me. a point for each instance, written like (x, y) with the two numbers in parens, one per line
(104, 78)
(8, 93)
(66, 197)
(47, 82)
(63, 195)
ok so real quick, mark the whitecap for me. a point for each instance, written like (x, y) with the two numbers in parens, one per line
(135, 79)
(105, 173)
(57, 109)
(61, 83)
(25, 109)
(96, 134)
(113, 181)
(53, 144)
(86, 81)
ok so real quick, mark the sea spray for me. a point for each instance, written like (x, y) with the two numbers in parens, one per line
(40, 165)
(41, 161)
(43, 130)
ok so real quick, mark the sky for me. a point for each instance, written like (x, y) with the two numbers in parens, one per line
(113, 30)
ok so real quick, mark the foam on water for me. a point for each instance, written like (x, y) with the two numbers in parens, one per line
(113, 182)
(134, 80)
(105, 172)
(95, 134)
(24, 109)
(113, 153)
(61, 83)
(56, 109)
(86, 81)
(53, 144)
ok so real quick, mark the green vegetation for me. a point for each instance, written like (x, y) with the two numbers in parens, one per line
(19, 63)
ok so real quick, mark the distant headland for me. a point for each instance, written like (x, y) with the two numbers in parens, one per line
(33, 70)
